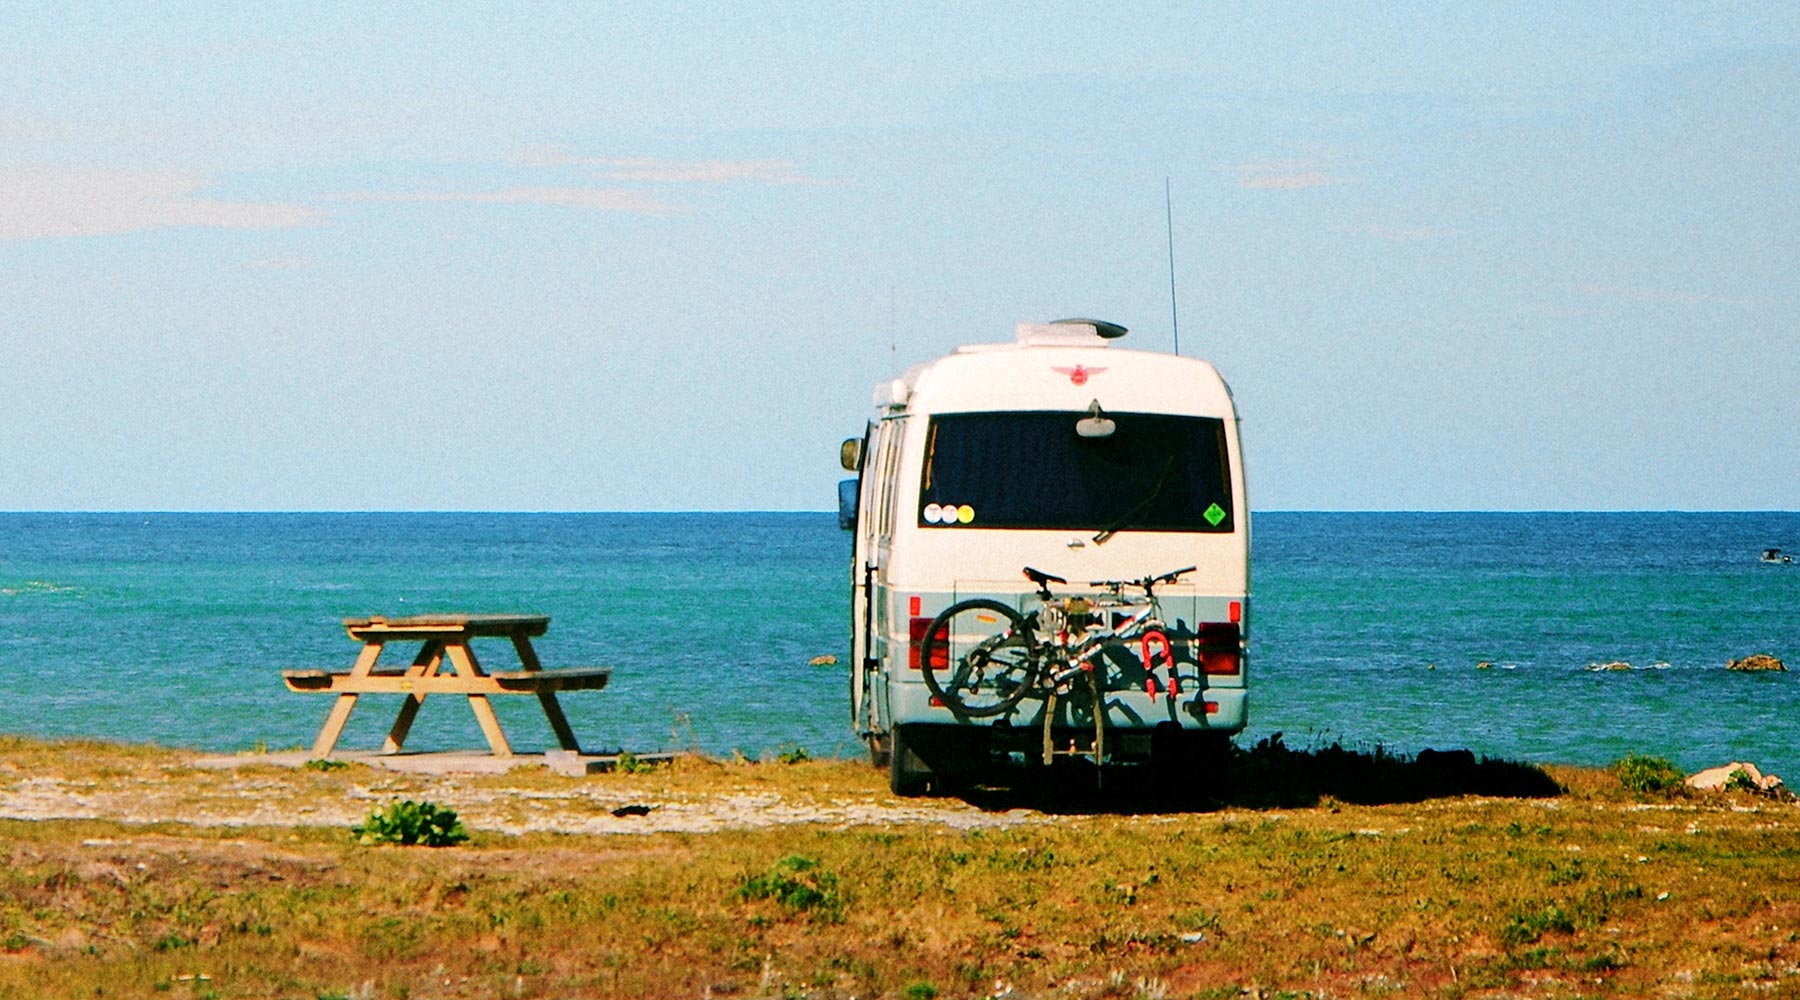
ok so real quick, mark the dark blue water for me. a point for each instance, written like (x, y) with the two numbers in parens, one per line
(1367, 628)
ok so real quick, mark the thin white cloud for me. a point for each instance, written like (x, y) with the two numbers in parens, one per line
(1286, 175)
(1399, 234)
(1661, 295)
(652, 170)
(290, 263)
(602, 199)
(87, 201)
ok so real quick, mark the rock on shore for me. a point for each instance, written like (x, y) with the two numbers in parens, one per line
(1715, 778)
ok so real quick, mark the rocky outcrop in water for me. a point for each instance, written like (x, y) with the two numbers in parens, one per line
(1755, 662)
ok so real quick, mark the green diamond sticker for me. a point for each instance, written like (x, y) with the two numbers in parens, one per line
(1214, 514)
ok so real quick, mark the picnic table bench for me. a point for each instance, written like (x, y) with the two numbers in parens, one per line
(445, 637)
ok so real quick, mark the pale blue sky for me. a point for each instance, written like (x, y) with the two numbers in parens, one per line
(586, 257)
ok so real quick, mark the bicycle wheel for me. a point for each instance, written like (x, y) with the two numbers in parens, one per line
(983, 650)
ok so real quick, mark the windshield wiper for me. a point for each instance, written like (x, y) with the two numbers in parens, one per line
(1162, 480)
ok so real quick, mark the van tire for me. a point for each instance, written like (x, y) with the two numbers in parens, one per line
(907, 774)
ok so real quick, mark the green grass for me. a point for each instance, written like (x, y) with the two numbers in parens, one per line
(1594, 889)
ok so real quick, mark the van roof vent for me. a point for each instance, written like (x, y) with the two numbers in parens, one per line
(1068, 333)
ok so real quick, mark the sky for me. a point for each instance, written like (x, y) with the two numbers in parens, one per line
(447, 256)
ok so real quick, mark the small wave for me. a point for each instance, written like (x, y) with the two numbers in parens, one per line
(31, 587)
(1622, 665)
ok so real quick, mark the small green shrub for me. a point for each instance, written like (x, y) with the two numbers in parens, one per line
(793, 755)
(1526, 924)
(799, 884)
(1647, 775)
(408, 822)
(917, 990)
(325, 765)
(172, 942)
(1740, 781)
(1601, 963)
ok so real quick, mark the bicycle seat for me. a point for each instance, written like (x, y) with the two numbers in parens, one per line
(1041, 578)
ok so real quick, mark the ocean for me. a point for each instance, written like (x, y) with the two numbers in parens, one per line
(1399, 630)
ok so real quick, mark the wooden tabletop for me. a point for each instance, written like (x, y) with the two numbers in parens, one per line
(443, 626)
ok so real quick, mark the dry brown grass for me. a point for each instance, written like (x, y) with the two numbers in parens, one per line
(1586, 892)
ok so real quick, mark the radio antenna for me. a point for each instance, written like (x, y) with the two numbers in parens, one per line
(1169, 215)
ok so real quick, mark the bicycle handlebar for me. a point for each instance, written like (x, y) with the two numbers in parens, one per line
(1175, 574)
(1148, 583)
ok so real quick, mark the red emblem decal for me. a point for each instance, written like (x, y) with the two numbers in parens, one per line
(1078, 375)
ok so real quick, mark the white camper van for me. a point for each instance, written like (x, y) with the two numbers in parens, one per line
(1051, 558)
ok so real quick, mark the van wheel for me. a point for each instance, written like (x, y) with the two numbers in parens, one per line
(906, 773)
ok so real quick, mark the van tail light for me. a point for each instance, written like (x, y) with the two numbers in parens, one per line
(1218, 647)
(940, 657)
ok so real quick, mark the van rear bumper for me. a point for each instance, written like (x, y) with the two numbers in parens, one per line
(1223, 710)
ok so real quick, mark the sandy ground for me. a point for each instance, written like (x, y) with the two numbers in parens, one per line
(254, 791)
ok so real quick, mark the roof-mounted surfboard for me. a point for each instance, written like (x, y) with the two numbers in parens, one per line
(1111, 331)
(1068, 333)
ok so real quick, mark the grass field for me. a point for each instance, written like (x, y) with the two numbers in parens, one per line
(1308, 873)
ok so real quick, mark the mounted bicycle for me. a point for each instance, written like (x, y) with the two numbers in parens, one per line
(993, 657)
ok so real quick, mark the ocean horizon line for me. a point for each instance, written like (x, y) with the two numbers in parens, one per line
(549, 512)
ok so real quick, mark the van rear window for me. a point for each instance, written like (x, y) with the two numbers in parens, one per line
(1030, 469)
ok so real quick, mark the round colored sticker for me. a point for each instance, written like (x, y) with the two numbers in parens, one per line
(932, 513)
(965, 513)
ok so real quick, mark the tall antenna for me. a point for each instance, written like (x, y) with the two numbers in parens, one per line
(1174, 315)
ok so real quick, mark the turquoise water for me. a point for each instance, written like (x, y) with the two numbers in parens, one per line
(1367, 628)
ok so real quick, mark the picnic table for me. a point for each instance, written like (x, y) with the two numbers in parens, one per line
(445, 637)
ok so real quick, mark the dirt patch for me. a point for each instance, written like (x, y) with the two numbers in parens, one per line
(705, 798)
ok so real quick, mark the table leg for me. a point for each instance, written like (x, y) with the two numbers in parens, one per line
(340, 710)
(559, 723)
(334, 726)
(463, 659)
(423, 665)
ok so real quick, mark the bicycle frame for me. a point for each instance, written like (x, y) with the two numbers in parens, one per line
(1070, 655)
(1080, 651)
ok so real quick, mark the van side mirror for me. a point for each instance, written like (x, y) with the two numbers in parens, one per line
(847, 493)
(850, 454)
